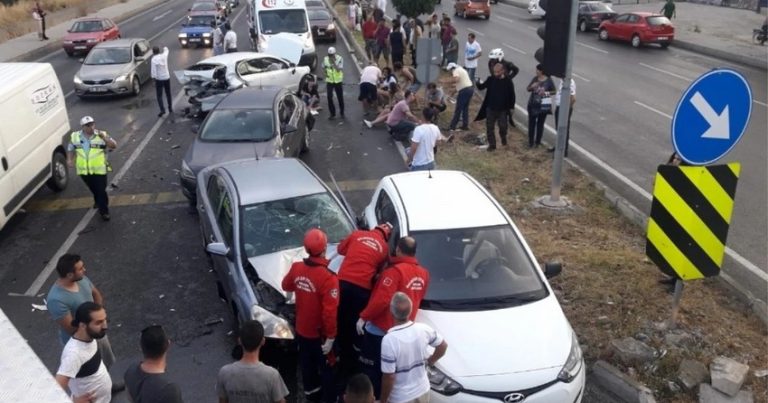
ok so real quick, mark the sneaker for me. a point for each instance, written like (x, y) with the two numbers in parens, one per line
(368, 123)
(161, 114)
(465, 128)
(331, 117)
(105, 217)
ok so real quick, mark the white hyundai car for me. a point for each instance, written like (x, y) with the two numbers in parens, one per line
(509, 339)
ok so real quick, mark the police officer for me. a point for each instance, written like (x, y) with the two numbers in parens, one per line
(333, 65)
(317, 300)
(87, 152)
(497, 56)
(404, 274)
(364, 254)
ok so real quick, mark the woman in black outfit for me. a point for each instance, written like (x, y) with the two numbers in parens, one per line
(539, 105)
(396, 43)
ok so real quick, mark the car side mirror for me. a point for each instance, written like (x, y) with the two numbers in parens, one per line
(552, 269)
(218, 248)
(195, 128)
(140, 58)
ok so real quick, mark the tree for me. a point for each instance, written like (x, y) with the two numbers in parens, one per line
(414, 8)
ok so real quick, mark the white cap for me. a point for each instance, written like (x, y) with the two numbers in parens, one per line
(86, 120)
(331, 50)
(451, 66)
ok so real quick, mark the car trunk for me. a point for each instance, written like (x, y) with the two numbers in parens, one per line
(660, 25)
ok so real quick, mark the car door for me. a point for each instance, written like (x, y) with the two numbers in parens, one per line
(279, 73)
(634, 25)
(617, 28)
(385, 211)
(217, 204)
(143, 55)
(250, 71)
(109, 30)
(286, 112)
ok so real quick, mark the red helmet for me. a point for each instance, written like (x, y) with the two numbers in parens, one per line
(315, 242)
(386, 229)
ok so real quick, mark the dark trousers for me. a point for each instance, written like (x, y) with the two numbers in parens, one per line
(352, 301)
(568, 127)
(316, 374)
(462, 108)
(330, 89)
(42, 26)
(413, 56)
(97, 184)
(493, 117)
(160, 86)
(397, 56)
(536, 120)
(370, 360)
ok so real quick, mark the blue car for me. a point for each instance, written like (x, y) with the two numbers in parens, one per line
(197, 29)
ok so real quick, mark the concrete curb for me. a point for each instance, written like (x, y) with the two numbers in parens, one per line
(56, 45)
(622, 386)
(694, 47)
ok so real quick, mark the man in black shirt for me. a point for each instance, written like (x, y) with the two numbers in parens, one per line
(499, 97)
(146, 381)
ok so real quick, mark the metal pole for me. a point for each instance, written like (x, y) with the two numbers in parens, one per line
(565, 109)
(429, 61)
(676, 303)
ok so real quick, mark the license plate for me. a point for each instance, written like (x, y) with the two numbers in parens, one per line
(194, 39)
(662, 38)
(98, 89)
(79, 47)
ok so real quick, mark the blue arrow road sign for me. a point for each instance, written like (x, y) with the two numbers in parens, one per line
(711, 116)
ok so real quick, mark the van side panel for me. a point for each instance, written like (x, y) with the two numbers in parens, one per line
(33, 111)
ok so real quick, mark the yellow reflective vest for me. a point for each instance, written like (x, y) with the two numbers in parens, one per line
(95, 161)
(334, 73)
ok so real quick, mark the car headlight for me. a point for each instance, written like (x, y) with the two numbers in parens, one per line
(77, 80)
(67, 42)
(206, 34)
(92, 40)
(186, 171)
(123, 77)
(573, 363)
(308, 43)
(274, 326)
(442, 383)
(331, 27)
(182, 35)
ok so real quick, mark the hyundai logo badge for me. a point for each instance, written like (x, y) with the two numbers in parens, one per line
(514, 398)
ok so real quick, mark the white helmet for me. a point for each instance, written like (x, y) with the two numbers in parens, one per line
(86, 120)
(497, 54)
(331, 50)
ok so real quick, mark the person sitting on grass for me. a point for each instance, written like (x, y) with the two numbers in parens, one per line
(401, 121)
(435, 98)
(384, 113)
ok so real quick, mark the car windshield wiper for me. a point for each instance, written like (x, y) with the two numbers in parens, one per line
(483, 303)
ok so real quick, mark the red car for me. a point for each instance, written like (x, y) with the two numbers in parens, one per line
(86, 32)
(639, 29)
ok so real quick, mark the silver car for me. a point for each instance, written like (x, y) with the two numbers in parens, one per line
(114, 68)
(253, 216)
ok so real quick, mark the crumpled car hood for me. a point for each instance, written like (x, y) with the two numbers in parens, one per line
(286, 45)
(192, 79)
(273, 267)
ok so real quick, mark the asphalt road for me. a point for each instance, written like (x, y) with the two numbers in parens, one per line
(622, 118)
(149, 261)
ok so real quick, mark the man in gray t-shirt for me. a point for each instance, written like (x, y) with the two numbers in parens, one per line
(249, 380)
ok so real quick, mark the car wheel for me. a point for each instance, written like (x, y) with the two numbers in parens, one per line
(305, 144)
(635, 41)
(59, 173)
(603, 34)
(583, 26)
(69, 53)
(135, 86)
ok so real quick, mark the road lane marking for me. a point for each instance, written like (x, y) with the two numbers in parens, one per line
(531, 28)
(586, 80)
(648, 66)
(509, 20)
(652, 109)
(514, 48)
(476, 32)
(41, 278)
(592, 47)
(162, 15)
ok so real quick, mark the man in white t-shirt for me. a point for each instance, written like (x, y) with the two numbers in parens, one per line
(81, 370)
(570, 112)
(404, 355)
(421, 155)
(369, 78)
(230, 39)
(472, 52)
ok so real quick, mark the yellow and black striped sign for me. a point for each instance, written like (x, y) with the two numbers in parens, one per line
(689, 220)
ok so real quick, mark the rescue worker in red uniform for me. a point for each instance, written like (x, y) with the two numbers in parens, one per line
(317, 300)
(365, 252)
(403, 274)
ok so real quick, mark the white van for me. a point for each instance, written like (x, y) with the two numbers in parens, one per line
(32, 136)
(267, 18)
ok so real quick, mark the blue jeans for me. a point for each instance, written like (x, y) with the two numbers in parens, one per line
(471, 73)
(462, 108)
(426, 167)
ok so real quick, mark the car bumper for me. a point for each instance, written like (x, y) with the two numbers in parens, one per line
(559, 392)
(658, 38)
(78, 47)
(470, 12)
(113, 88)
(323, 34)
(196, 41)
(188, 188)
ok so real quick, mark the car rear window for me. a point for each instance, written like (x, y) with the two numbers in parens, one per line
(317, 14)
(600, 8)
(658, 20)
(234, 125)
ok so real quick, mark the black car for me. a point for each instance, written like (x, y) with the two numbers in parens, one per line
(250, 122)
(592, 13)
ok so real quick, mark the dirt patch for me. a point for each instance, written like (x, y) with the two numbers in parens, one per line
(16, 20)
(608, 288)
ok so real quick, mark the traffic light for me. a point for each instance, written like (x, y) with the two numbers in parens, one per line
(555, 33)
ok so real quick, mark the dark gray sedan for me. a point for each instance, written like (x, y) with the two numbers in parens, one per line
(253, 217)
(247, 123)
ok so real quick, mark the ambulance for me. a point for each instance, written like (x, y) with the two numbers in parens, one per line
(267, 18)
